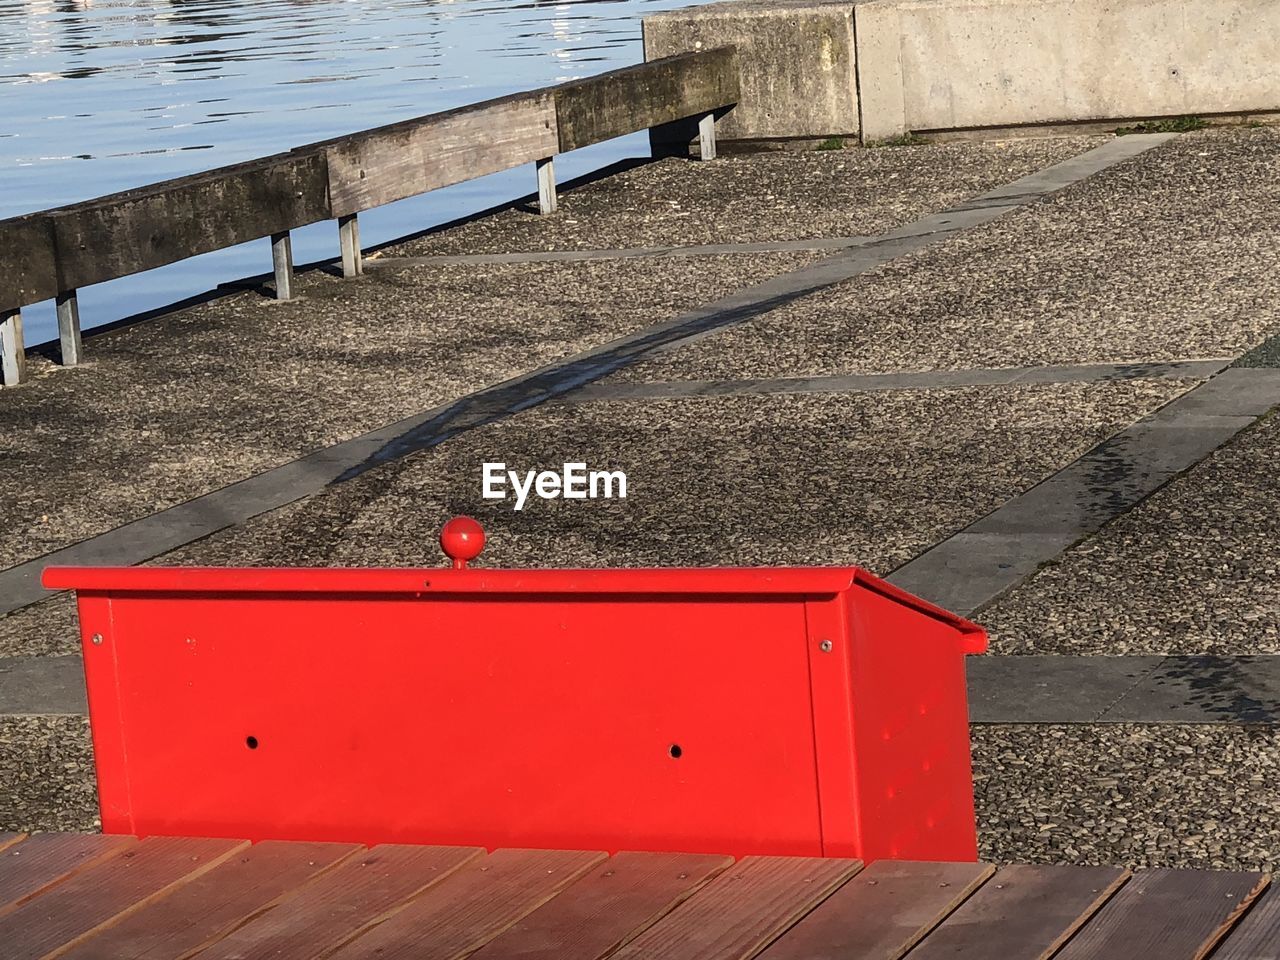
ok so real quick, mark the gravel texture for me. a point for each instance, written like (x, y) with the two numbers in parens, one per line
(177, 406)
(757, 197)
(872, 479)
(785, 479)
(46, 774)
(44, 629)
(1172, 255)
(1194, 569)
(1140, 795)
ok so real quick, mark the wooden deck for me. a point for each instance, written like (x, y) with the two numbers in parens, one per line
(117, 898)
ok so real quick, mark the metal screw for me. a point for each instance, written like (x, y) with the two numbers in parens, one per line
(97, 639)
(825, 646)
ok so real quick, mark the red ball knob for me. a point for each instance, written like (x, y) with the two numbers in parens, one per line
(462, 539)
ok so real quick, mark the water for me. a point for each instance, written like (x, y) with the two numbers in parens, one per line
(103, 95)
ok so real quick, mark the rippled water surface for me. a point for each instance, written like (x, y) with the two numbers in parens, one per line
(102, 95)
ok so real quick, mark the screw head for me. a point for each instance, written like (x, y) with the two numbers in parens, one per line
(96, 639)
(825, 646)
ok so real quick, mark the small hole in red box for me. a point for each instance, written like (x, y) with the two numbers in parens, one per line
(675, 751)
(251, 743)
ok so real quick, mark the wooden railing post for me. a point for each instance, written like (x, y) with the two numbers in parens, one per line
(13, 350)
(349, 238)
(282, 264)
(707, 137)
(546, 185)
(69, 328)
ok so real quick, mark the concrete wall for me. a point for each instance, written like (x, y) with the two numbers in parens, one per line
(940, 65)
(985, 63)
(797, 56)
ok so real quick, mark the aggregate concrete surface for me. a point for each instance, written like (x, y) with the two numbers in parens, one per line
(757, 197)
(174, 407)
(726, 481)
(1141, 795)
(1193, 569)
(1167, 256)
(43, 629)
(46, 769)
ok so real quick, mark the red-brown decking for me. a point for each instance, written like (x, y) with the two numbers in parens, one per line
(164, 898)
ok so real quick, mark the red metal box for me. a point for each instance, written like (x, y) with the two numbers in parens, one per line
(813, 711)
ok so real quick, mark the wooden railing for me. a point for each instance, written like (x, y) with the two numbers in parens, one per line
(54, 253)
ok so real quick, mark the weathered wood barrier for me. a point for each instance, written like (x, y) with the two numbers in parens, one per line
(51, 254)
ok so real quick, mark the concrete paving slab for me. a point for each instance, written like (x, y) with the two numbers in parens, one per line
(48, 686)
(1193, 570)
(1058, 688)
(755, 198)
(913, 380)
(967, 570)
(1238, 392)
(1109, 480)
(377, 261)
(1196, 689)
(1169, 256)
(1051, 689)
(1143, 795)
(180, 405)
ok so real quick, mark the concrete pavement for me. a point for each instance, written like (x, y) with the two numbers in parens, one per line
(1163, 258)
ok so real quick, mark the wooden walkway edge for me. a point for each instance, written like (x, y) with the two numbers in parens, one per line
(92, 897)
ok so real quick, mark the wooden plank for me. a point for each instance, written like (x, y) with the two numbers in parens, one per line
(65, 913)
(742, 910)
(1170, 914)
(1023, 913)
(881, 913)
(203, 910)
(332, 909)
(411, 157)
(7, 840)
(636, 98)
(124, 233)
(472, 907)
(44, 859)
(607, 907)
(30, 271)
(1257, 937)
